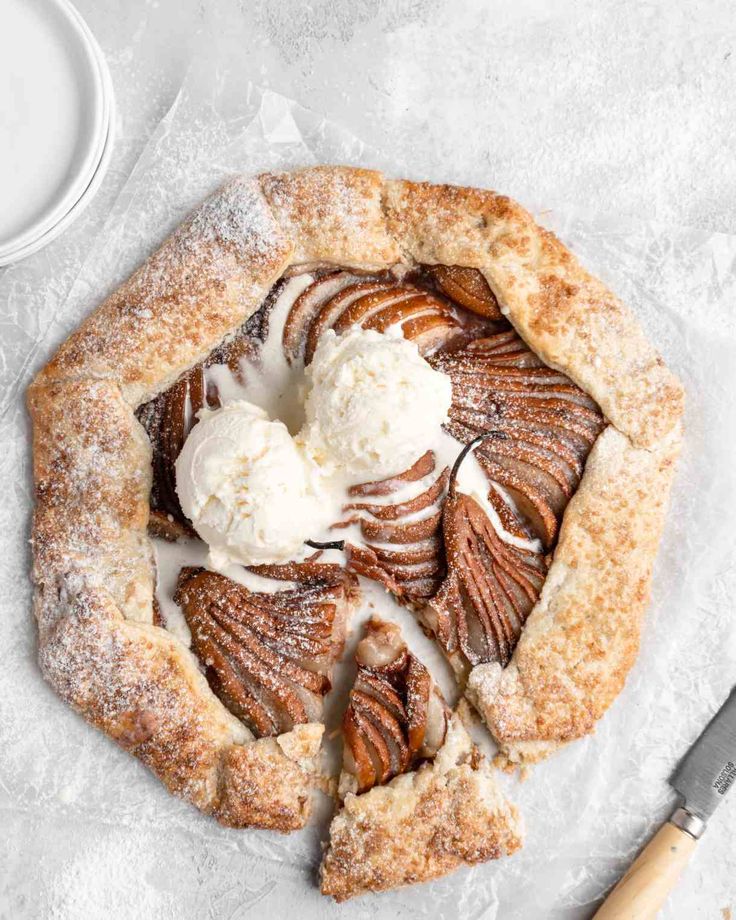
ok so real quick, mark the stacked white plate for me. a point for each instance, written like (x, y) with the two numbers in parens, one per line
(57, 118)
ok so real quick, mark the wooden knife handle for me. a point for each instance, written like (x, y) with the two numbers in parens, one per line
(643, 890)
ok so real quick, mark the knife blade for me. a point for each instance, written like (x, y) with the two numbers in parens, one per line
(708, 770)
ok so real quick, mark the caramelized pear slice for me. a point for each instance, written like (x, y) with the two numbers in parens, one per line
(396, 717)
(540, 425)
(468, 288)
(403, 547)
(490, 589)
(305, 309)
(340, 301)
(268, 656)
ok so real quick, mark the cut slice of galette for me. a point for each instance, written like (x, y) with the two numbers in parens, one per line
(523, 536)
(396, 716)
(419, 800)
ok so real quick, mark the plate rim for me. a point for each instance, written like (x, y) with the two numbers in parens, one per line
(93, 62)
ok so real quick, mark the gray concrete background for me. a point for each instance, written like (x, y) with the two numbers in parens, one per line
(613, 105)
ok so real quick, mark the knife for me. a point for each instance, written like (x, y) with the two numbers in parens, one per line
(702, 780)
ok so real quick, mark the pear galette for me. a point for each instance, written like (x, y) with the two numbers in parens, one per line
(533, 581)
(419, 799)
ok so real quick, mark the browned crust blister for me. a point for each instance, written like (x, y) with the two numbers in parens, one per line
(93, 569)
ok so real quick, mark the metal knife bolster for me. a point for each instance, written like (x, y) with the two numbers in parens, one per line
(691, 824)
(707, 771)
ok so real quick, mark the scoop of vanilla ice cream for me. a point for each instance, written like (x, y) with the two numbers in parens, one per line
(373, 404)
(245, 487)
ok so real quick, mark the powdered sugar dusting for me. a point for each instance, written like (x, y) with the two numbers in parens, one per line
(95, 881)
(236, 217)
(334, 215)
(209, 276)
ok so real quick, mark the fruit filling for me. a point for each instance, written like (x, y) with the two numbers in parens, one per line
(381, 381)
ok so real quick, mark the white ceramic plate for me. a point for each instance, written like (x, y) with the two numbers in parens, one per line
(56, 107)
(75, 211)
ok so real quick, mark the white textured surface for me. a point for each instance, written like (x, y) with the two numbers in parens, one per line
(619, 109)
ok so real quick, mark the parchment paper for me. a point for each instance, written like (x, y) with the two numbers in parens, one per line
(587, 810)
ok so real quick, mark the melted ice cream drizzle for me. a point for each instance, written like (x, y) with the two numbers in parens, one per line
(278, 387)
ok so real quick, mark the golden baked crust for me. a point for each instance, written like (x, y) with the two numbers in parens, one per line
(333, 214)
(94, 578)
(143, 688)
(93, 570)
(212, 273)
(581, 639)
(421, 825)
(91, 464)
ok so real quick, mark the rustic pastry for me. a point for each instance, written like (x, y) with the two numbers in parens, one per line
(419, 799)
(534, 580)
